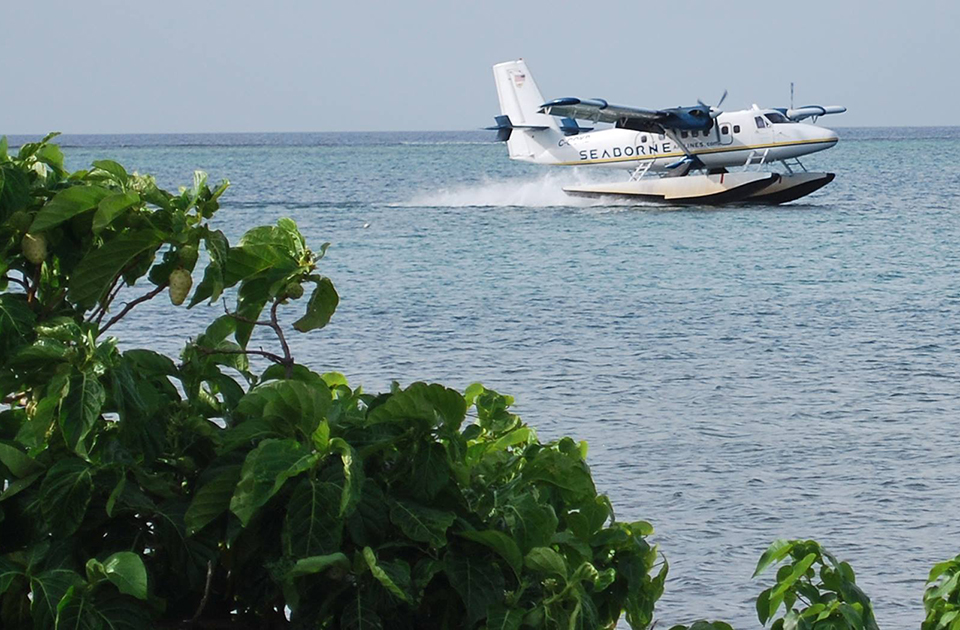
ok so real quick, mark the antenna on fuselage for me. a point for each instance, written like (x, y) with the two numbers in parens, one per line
(791, 95)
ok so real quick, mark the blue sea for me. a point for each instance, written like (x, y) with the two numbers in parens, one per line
(741, 374)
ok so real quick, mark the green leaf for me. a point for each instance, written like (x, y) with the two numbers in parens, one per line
(798, 570)
(318, 564)
(111, 207)
(394, 576)
(499, 542)
(211, 500)
(532, 523)
(65, 494)
(359, 615)
(98, 269)
(323, 302)
(429, 403)
(126, 571)
(116, 170)
(777, 551)
(66, 204)
(567, 472)
(265, 470)
(353, 475)
(81, 410)
(500, 618)
(19, 463)
(546, 560)
(430, 470)
(47, 589)
(312, 525)
(421, 523)
(16, 320)
(479, 582)
(8, 573)
(18, 486)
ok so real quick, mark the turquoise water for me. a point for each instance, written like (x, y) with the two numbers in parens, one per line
(741, 374)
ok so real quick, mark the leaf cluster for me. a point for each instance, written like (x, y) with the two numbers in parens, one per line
(137, 489)
(941, 599)
(816, 591)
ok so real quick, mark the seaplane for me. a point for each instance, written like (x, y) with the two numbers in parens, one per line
(679, 155)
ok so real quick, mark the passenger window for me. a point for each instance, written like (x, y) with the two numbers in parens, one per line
(725, 130)
(684, 134)
(696, 133)
(662, 136)
(736, 129)
(761, 123)
(643, 138)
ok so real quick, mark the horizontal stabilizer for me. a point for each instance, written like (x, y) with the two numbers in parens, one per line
(504, 127)
(569, 127)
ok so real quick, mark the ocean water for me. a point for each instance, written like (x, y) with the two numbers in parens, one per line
(741, 374)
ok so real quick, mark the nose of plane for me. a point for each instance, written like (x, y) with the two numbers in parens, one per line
(816, 132)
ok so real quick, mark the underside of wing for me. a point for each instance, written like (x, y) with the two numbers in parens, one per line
(656, 121)
(597, 110)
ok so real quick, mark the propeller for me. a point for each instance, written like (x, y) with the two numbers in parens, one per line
(715, 110)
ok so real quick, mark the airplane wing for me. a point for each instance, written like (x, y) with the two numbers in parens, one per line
(596, 109)
(653, 120)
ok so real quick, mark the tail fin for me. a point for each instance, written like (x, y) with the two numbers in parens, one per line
(529, 132)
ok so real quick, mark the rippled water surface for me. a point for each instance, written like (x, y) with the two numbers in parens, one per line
(741, 374)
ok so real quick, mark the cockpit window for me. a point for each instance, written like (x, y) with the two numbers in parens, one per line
(777, 117)
(761, 123)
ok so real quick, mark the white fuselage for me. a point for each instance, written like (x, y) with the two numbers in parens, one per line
(734, 138)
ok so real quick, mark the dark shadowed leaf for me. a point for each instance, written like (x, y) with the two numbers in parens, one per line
(65, 493)
(81, 410)
(359, 615)
(46, 590)
(111, 207)
(97, 270)
(212, 499)
(479, 582)
(265, 470)
(500, 618)
(501, 543)
(421, 523)
(312, 526)
(323, 302)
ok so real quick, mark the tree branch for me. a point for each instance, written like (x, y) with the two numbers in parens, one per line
(276, 358)
(130, 305)
(206, 593)
(274, 323)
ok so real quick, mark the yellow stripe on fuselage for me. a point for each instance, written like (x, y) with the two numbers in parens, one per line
(723, 149)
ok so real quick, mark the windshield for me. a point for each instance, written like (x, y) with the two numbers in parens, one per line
(777, 117)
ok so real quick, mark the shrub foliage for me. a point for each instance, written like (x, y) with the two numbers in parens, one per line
(201, 492)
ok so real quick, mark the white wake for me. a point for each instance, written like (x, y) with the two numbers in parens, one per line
(543, 192)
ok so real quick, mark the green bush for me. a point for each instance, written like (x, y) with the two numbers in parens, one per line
(139, 490)
(941, 600)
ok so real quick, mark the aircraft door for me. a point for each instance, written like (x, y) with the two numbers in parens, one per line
(764, 129)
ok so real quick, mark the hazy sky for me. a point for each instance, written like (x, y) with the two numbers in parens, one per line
(102, 66)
